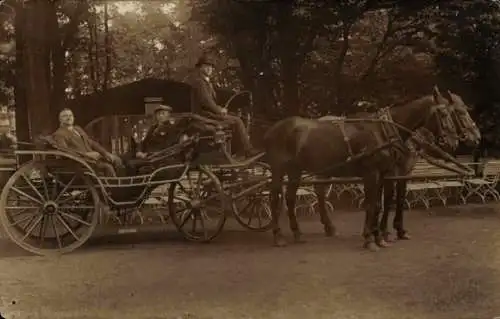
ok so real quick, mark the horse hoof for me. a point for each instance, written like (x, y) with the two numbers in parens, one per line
(371, 246)
(383, 244)
(404, 236)
(330, 232)
(298, 239)
(388, 238)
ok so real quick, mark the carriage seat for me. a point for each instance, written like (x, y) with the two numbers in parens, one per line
(47, 142)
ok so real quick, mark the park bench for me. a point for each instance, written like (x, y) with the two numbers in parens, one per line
(428, 183)
(485, 185)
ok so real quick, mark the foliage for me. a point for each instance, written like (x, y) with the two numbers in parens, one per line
(297, 57)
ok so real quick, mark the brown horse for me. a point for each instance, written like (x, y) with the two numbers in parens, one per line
(468, 133)
(296, 145)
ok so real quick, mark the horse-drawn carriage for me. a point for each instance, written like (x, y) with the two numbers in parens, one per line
(54, 202)
(58, 196)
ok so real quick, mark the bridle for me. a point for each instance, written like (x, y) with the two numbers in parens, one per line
(464, 124)
(445, 128)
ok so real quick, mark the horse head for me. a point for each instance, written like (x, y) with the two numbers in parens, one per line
(430, 112)
(466, 127)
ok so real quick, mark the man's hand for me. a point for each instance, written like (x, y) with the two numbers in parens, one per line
(93, 155)
(141, 155)
(114, 159)
(11, 137)
(224, 111)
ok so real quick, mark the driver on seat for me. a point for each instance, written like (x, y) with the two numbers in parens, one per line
(203, 103)
(73, 137)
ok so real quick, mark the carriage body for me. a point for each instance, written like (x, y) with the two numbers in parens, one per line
(54, 201)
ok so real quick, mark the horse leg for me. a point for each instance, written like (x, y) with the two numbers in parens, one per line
(398, 217)
(291, 198)
(379, 238)
(325, 219)
(275, 199)
(388, 201)
(372, 198)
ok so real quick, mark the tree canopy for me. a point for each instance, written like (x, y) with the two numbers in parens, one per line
(297, 57)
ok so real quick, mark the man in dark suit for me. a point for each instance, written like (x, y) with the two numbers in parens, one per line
(203, 101)
(162, 134)
(74, 138)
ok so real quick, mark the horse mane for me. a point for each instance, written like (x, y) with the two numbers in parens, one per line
(411, 100)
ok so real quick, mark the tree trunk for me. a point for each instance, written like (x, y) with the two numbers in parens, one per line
(58, 61)
(107, 49)
(37, 68)
(22, 119)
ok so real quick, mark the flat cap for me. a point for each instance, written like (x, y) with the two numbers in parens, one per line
(163, 107)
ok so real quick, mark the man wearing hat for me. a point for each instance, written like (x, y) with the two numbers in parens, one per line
(203, 101)
(160, 135)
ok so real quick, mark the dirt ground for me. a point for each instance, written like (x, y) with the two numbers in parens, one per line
(449, 270)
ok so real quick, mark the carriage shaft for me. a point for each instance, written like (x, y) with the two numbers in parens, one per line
(249, 190)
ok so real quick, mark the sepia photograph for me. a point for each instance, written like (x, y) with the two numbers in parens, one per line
(249, 159)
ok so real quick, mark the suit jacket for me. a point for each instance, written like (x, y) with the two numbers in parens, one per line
(6, 142)
(162, 136)
(203, 98)
(80, 142)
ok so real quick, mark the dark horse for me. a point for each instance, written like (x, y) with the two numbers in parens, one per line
(296, 145)
(468, 133)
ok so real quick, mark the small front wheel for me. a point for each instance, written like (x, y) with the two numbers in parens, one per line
(197, 205)
(253, 210)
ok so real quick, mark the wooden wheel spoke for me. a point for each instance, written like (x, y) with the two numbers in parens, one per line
(43, 229)
(65, 188)
(21, 220)
(20, 192)
(202, 222)
(195, 218)
(22, 211)
(33, 187)
(198, 184)
(185, 217)
(259, 215)
(246, 207)
(73, 217)
(208, 197)
(63, 222)
(32, 227)
(56, 232)
(250, 217)
(181, 198)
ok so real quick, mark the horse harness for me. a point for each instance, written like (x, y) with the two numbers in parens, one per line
(386, 134)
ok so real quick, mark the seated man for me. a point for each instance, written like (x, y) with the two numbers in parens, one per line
(74, 138)
(162, 134)
(203, 99)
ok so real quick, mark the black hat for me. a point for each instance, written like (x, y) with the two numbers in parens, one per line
(204, 60)
(163, 107)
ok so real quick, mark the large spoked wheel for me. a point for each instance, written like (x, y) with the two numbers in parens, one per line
(47, 213)
(252, 211)
(197, 205)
